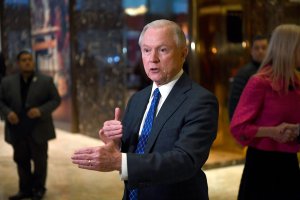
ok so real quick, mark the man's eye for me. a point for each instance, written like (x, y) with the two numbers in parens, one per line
(146, 50)
(163, 50)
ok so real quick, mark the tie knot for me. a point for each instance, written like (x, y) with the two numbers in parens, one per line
(156, 93)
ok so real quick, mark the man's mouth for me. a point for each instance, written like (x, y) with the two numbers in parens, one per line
(154, 69)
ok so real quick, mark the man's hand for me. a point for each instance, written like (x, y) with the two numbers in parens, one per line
(103, 158)
(13, 118)
(112, 129)
(34, 113)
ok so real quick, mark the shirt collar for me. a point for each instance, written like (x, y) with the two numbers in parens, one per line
(166, 88)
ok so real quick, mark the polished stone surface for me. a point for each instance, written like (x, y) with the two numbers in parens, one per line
(99, 62)
(67, 182)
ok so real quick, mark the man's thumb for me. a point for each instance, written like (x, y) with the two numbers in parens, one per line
(117, 114)
(102, 136)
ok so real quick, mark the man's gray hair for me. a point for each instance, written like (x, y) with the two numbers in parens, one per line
(179, 36)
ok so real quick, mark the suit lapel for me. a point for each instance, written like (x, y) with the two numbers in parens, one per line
(171, 104)
(139, 108)
(32, 87)
(17, 92)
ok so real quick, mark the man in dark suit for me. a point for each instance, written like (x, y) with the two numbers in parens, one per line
(27, 100)
(258, 51)
(160, 158)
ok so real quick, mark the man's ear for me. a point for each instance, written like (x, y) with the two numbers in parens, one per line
(184, 53)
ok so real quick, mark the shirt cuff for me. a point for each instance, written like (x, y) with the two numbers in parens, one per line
(124, 172)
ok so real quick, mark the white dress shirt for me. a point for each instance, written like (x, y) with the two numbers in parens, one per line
(164, 91)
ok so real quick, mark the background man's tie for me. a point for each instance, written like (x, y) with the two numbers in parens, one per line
(145, 133)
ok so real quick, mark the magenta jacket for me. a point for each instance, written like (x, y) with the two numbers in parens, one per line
(260, 105)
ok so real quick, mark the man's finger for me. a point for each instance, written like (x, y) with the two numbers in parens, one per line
(84, 151)
(117, 114)
(80, 158)
(100, 133)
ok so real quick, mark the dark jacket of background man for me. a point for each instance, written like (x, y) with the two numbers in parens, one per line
(41, 93)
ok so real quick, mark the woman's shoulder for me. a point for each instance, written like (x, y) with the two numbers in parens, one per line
(258, 79)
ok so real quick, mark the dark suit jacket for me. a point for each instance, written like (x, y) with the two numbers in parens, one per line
(42, 94)
(239, 83)
(178, 145)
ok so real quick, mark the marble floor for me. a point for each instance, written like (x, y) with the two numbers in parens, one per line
(67, 182)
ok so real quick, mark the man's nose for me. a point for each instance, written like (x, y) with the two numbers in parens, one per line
(154, 56)
(261, 49)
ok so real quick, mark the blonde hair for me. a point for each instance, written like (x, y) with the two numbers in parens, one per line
(179, 36)
(280, 62)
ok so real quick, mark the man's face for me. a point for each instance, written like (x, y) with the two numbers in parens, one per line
(259, 49)
(162, 58)
(26, 63)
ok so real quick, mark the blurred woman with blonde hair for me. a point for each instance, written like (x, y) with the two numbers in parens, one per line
(267, 121)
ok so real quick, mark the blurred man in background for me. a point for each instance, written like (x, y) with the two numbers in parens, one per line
(27, 100)
(258, 52)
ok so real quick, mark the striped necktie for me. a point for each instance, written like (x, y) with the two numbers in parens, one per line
(145, 133)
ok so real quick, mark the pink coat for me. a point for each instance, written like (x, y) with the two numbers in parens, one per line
(260, 105)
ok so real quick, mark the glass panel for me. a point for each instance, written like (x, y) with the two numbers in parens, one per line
(99, 61)
(16, 33)
(50, 42)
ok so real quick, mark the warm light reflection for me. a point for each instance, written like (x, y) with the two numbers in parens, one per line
(185, 29)
(193, 45)
(214, 50)
(244, 44)
(136, 11)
